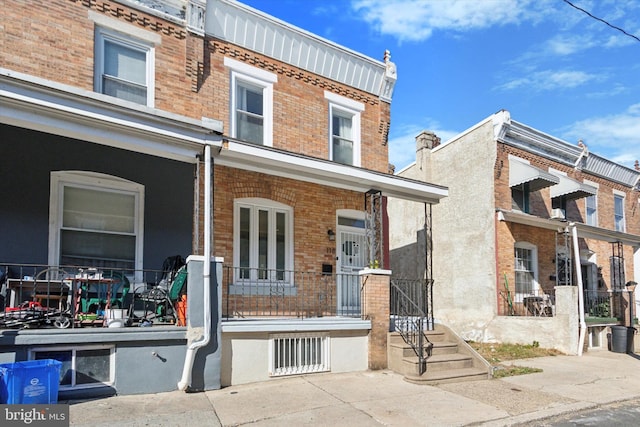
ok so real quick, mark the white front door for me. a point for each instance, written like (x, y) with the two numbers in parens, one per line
(352, 255)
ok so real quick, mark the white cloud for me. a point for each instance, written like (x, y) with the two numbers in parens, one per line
(549, 80)
(615, 136)
(415, 20)
(402, 142)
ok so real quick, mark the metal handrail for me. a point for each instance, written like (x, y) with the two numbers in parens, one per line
(410, 321)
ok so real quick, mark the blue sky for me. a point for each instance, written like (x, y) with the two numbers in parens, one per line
(550, 65)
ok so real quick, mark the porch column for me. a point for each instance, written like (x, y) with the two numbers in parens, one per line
(374, 286)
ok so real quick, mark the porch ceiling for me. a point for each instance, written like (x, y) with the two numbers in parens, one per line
(584, 231)
(246, 156)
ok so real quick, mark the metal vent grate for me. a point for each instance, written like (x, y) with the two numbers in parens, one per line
(293, 354)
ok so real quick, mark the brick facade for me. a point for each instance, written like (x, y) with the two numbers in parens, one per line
(190, 76)
(544, 240)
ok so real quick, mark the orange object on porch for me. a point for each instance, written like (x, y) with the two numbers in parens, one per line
(181, 308)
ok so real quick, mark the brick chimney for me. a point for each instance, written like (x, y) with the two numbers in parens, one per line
(425, 142)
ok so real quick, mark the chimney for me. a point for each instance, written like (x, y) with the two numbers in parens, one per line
(637, 165)
(427, 139)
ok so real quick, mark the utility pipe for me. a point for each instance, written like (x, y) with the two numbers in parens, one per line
(185, 381)
(576, 253)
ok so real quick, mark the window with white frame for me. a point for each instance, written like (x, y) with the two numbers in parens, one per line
(96, 220)
(82, 367)
(251, 102)
(591, 207)
(263, 240)
(526, 269)
(344, 129)
(618, 215)
(124, 67)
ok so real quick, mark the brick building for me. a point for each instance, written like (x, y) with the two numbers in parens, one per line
(524, 209)
(137, 130)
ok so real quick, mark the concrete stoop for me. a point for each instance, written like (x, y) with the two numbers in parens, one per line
(451, 359)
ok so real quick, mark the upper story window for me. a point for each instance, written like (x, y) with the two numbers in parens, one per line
(124, 67)
(251, 109)
(618, 212)
(96, 220)
(591, 208)
(520, 197)
(344, 129)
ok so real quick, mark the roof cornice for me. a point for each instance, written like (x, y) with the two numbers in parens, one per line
(252, 29)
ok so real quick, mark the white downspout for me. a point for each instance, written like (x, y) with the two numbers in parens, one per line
(185, 381)
(576, 253)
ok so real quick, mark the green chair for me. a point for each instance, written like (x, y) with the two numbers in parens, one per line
(159, 303)
(119, 289)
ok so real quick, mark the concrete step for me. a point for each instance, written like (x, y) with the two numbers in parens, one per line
(447, 376)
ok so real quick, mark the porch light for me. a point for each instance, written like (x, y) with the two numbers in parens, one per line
(331, 234)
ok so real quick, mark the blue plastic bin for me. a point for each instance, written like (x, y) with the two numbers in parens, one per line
(30, 382)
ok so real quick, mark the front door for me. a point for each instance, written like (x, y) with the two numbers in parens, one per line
(352, 255)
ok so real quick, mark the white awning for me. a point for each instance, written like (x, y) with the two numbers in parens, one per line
(521, 173)
(572, 189)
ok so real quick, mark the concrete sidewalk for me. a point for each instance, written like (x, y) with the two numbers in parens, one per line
(375, 398)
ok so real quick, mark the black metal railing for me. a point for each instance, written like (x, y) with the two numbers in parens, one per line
(253, 292)
(606, 305)
(38, 295)
(412, 314)
(538, 303)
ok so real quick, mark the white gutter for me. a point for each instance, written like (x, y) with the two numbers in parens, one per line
(576, 253)
(185, 381)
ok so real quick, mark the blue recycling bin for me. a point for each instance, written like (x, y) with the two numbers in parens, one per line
(30, 382)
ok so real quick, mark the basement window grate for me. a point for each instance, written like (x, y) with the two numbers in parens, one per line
(293, 354)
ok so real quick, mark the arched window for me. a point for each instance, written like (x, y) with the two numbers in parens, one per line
(263, 239)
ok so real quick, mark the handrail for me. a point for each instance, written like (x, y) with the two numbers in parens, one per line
(410, 320)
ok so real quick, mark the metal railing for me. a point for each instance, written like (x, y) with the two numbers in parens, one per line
(606, 304)
(39, 295)
(252, 292)
(539, 303)
(412, 314)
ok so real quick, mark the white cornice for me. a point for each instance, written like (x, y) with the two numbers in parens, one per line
(252, 29)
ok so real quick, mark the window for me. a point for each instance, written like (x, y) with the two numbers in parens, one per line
(344, 129)
(591, 210)
(124, 67)
(263, 234)
(520, 197)
(82, 367)
(96, 220)
(292, 354)
(251, 102)
(526, 266)
(618, 207)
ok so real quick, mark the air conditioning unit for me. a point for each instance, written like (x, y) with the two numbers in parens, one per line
(557, 214)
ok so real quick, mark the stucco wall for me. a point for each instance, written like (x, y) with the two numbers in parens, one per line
(463, 230)
(245, 355)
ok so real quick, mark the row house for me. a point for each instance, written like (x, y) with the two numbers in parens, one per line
(136, 133)
(539, 239)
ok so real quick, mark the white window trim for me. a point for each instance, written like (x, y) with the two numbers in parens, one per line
(98, 181)
(132, 42)
(73, 350)
(534, 263)
(256, 203)
(354, 109)
(242, 72)
(624, 216)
